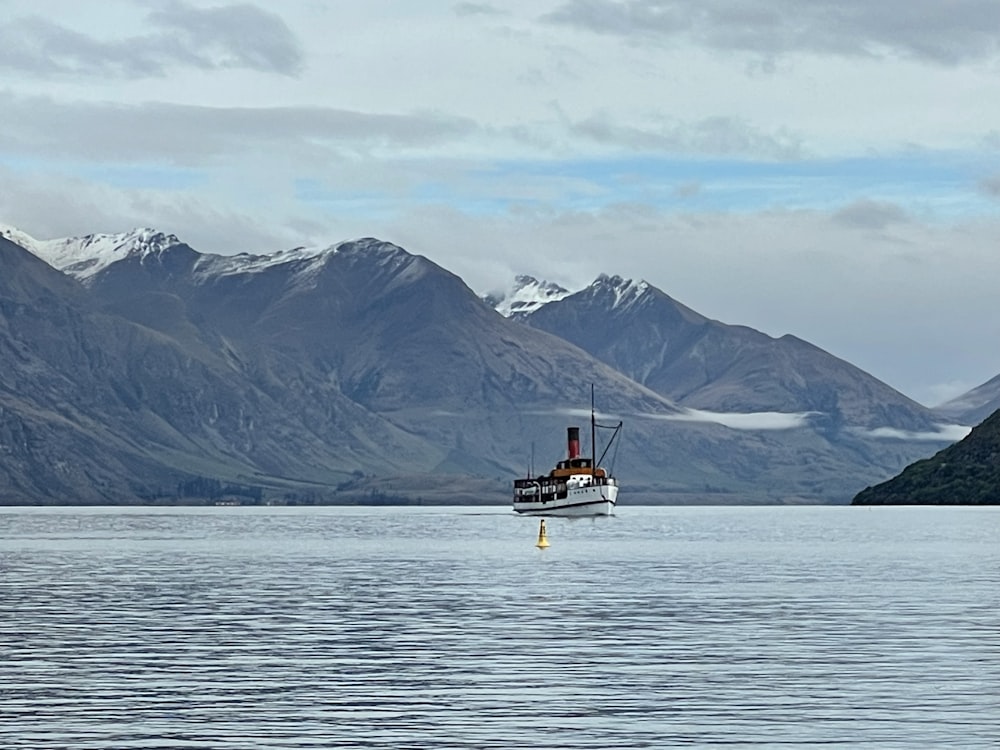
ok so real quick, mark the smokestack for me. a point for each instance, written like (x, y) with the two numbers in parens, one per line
(573, 438)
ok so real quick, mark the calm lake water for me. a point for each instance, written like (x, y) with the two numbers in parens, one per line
(447, 628)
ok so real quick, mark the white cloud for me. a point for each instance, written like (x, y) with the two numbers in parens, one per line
(764, 420)
(755, 421)
(947, 433)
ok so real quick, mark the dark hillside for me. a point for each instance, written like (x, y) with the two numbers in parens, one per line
(966, 473)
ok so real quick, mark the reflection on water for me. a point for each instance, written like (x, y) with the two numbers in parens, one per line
(445, 628)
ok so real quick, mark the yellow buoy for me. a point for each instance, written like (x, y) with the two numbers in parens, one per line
(543, 541)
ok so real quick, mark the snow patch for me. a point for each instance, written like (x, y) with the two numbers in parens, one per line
(626, 291)
(526, 295)
(227, 265)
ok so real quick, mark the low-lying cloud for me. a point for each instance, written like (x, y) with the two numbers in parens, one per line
(763, 420)
(946, 433)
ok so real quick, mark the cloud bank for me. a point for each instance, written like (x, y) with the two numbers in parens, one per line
(181, 35)
(945, 33)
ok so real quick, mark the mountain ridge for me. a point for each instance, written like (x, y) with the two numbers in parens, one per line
(360, 361)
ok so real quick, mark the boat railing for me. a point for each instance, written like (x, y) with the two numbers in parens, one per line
(543, 486)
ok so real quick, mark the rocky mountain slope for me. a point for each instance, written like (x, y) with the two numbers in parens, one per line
(966, 473)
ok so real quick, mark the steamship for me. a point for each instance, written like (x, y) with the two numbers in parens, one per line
(578, 486)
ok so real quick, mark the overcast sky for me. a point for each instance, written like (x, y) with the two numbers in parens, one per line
(826, 168)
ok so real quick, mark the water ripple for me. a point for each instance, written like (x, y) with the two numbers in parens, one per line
(435, 628)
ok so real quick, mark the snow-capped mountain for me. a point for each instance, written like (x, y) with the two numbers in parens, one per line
(708, 365)
(86, 257)
(525, 296)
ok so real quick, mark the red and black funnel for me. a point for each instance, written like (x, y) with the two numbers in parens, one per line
(573, 441)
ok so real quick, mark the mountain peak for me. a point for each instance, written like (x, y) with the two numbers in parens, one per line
(147, 238)
(369, 245)
(626, 292)
(525, 296)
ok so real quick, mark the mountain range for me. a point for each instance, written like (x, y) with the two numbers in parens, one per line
(139, 369)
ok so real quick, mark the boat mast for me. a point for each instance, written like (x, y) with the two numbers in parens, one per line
(593, 435)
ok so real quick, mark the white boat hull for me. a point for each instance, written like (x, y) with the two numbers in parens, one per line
(593, 500)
